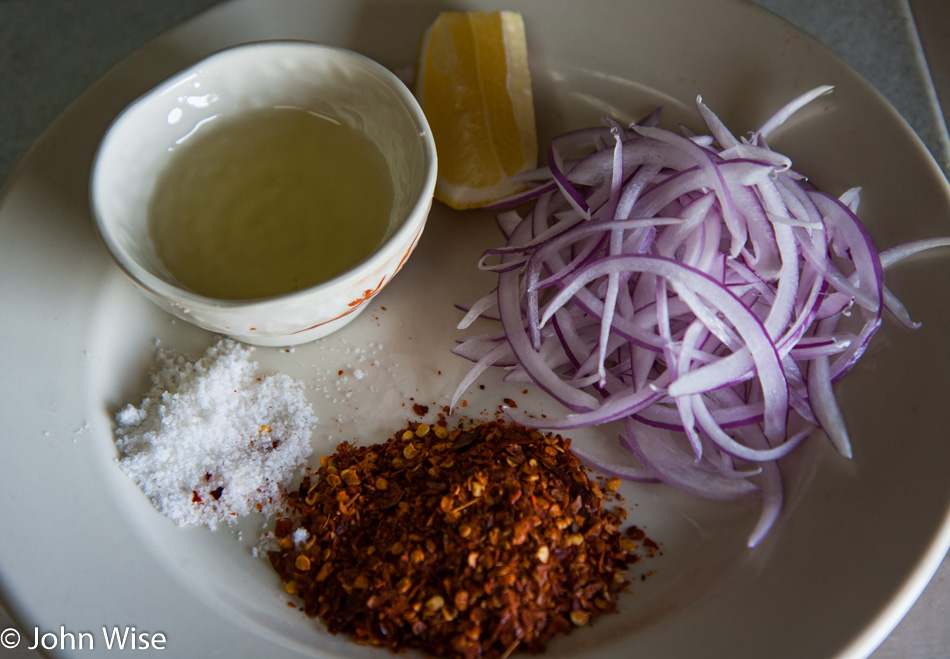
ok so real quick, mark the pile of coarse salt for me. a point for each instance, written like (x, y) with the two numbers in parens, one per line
(212, 441)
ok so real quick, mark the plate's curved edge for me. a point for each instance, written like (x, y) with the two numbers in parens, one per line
(943, 130)
(879, 629)
(90, 91)
(10, 609)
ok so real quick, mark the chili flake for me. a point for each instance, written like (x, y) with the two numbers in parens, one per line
(472, 542)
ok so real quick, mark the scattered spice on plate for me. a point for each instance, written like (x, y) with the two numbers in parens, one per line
(420, 410)
(472, 542)
(212, 441)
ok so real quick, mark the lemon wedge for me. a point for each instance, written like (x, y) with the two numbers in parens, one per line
(474, 86)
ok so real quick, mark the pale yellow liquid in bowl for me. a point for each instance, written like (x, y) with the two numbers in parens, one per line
(269, 203)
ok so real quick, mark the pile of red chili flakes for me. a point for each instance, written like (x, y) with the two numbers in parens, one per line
(470, 542)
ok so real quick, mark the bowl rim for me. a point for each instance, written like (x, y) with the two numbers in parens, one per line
(411, 225)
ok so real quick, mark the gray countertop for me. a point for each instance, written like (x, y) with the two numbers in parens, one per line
(52, 50)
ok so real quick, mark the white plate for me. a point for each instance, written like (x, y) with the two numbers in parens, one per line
(82, 549)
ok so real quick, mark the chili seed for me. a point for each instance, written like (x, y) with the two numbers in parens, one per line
(579, 618)
(404, 584)
(324, 572)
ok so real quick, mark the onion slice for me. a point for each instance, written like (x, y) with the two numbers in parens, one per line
(691, 288)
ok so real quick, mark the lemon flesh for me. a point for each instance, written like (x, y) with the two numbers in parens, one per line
(474, 86)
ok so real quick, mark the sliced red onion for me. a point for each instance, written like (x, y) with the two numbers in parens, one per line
(893, 255)
(788, 110)
(689, 286)
(662, 457)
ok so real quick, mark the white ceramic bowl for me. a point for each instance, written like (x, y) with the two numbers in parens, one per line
(325, 79)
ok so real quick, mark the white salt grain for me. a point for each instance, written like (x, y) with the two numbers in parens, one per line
(212, 442)
(300, 535)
